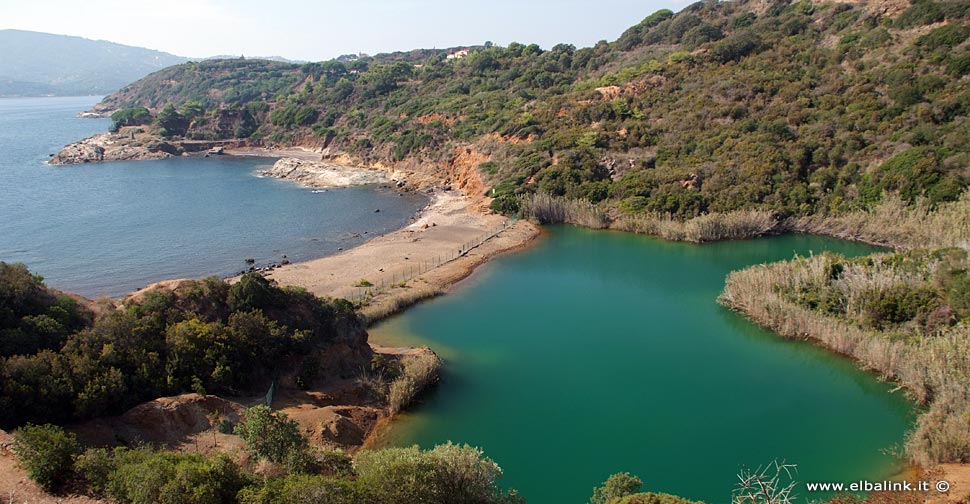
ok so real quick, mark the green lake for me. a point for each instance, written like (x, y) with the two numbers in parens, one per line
(598, 352)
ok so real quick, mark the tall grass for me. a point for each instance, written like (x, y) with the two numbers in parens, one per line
(893, 223)
(545, 209)
(418, 372)
(737, 225)
(935, 369)
(395, 302)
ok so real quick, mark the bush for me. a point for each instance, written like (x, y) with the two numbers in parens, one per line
(653, 498)
(251, 292)
(921, 12)
(506, 204)
(145, 477)
(47, 453)
(899, 304)
(448, 473)
(615, 487)
(95, 466)
(915, 172)
(270, 434)
(735, 47)
(293, 114)
(306, 489)
(32, 317)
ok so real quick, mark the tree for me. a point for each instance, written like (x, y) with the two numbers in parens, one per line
(129, 117)
(251, 292)
(169, 121)
(191, 109)
(47, 453)
(616, 486)
(270, 434)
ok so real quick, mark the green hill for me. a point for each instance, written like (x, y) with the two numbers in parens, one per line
(36, 63)
(801, 108)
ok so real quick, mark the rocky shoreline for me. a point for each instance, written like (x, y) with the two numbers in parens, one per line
(323, 174)
(134, 144)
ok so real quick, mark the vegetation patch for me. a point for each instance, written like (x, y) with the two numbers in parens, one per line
(904, 315)
(63, 364)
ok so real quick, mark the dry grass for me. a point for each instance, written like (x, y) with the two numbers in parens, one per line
(892, 223)
(390, 303)
(418, 372)
(546, 209)
(935, 369)
(895, 224)
(736, 225)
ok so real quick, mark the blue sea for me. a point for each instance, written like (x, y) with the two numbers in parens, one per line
(106, 229)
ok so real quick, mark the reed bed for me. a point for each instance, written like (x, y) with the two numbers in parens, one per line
(418, 372)
(737, 225)
(741, 224)
(547, 209)
(396, 302)
(936, 369)
(893, 223)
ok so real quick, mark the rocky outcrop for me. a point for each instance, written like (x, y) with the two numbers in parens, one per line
(113, 147)
(134, 144)
(322, 174)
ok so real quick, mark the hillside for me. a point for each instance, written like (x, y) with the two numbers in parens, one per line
(36, 64)
(800, 108)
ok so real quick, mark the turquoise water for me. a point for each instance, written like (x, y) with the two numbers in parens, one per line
(597, 352)
(110, 228)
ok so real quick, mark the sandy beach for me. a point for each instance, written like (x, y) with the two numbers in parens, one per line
(445, 244)
(452, 236)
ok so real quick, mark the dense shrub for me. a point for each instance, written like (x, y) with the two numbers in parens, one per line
(47, 453)
(94, 467)
(735, 47)
(899, 304)
(130, 117)
(306, 489)
(205, 335)
(448, 473)
(760, 110)
(270, 435)
(913, 173)
(652, 498)
(147, 477)
(33, 318)
(616, 487)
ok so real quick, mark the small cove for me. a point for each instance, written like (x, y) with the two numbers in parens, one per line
(597, 352)
(110, 228)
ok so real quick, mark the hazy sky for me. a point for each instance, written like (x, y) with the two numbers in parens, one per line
(318, 30)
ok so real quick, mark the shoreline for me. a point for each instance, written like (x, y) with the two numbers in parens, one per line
(450, 222)
(441, 244)
(444, 244)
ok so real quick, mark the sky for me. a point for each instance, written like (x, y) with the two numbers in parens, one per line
(320, 30)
